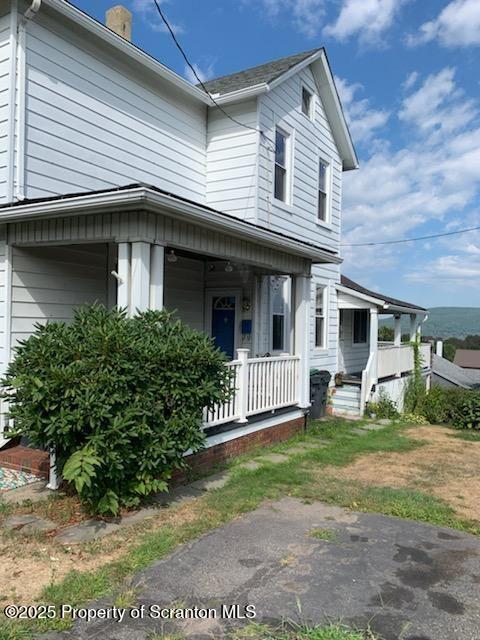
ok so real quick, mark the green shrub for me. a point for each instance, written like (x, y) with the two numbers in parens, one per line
(458, 407)
(118, 399)
(384, 407)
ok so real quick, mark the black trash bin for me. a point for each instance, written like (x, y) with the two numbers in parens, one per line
(319, 381)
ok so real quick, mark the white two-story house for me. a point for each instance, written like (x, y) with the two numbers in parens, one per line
(122, 183)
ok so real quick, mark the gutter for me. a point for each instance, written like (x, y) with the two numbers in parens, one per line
(150, 200)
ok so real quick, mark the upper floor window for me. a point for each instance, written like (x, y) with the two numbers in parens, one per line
(323, 180)
(282, 150)
(320, 316)
(360, 321)
(307, 103)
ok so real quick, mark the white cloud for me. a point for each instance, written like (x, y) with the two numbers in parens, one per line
(410, 80)
(367, 19)
(363, 121)
(148, 12)
(307, 15)
(204, 74)
(458, 25)
(438, 106)
(394, 193)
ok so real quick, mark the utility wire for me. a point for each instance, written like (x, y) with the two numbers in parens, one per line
(435, 235)
(200, 81)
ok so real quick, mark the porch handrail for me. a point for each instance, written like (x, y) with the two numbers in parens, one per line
(368, 381)
(260, 385)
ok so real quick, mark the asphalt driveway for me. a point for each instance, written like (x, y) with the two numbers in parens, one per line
(409, 581)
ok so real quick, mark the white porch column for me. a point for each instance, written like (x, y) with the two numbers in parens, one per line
(123, 290)
(374, 343)
(140, 277)
(397, 331)
(414, 325)
(302, 288)
(157, 275)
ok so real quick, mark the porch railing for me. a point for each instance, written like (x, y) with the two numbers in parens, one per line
(397, 359)
(260, 385)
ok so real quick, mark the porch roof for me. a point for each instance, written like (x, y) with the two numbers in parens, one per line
(149, 198)
(386, 303)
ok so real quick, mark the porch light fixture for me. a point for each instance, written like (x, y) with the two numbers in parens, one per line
(171, 257)
(229, 267)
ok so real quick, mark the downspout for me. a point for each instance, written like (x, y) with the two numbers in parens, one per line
(29, 14)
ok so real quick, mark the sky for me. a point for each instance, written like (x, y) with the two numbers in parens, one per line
(407, 72)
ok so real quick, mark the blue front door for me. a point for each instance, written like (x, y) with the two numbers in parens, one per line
(223, 323)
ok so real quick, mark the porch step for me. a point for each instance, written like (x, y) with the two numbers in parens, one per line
(346, 400)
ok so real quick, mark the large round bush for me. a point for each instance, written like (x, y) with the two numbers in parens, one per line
(118, 399)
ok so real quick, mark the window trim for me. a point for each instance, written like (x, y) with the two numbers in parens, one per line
(311, 106)
(328, 197)
(285, 288)
(288, 135)
(323, 346)
(360, 344)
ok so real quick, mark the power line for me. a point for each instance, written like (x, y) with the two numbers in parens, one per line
(435, 235)
(200, 81)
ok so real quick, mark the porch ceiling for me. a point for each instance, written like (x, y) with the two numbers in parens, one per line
(141, 212)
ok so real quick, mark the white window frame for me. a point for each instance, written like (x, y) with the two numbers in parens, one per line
(286, 292)
(289, 142)
(311, 107)
(323, 346)
(328, 193)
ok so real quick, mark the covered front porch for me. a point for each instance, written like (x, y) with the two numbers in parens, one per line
(247, 287)
(366, 364)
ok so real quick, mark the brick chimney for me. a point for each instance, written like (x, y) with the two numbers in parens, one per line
(119, 20)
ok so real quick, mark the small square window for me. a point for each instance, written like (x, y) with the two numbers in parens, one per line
(307, 101)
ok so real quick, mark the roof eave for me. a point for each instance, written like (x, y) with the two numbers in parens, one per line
(241, 94)
(149, 199)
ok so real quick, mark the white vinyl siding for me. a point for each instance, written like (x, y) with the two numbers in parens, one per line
(5, 103)
(3, 299)
(49, 282)
(185, 290)
(325, 358)
(232, 160)
(92, 123)
(313, 140)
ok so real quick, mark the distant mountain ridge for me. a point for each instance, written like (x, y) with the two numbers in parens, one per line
(446, 322)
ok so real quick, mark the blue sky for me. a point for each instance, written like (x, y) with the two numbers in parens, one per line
(408, 75)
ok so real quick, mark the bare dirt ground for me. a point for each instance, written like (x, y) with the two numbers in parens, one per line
(445, 466)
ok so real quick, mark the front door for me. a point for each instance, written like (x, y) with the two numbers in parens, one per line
(223, 323)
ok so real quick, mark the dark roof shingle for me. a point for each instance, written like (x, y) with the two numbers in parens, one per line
(350, 284)
(256, 75)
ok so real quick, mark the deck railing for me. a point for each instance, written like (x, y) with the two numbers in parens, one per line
(260, 385)
(397, 359)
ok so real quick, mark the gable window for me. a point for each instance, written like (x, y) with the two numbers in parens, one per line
(307, 103)
(323, 179)
(320, 317)
(360, 321)
(281, 165)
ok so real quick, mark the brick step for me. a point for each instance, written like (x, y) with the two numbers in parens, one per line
(22, 458)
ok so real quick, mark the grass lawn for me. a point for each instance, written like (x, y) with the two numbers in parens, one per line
(334, 631)
(320, 472)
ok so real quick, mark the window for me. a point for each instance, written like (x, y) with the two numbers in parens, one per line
(360, 326)
(307, 102)
(320, 317)
(281, 162)
(278, 313)
(323, 175)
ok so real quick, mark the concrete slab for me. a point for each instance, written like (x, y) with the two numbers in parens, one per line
(28, 523)
(216, 481)
(372, 427)
(34, 492)
(359, 431)
(250, 465)
(404, 579)
(274, 458)
(303, 447)
(384, 421)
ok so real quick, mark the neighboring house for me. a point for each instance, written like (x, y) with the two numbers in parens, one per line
(469, 361)
(122, 183)
(448, 374)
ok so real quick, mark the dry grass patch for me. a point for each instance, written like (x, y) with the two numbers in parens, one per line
(446, 467)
